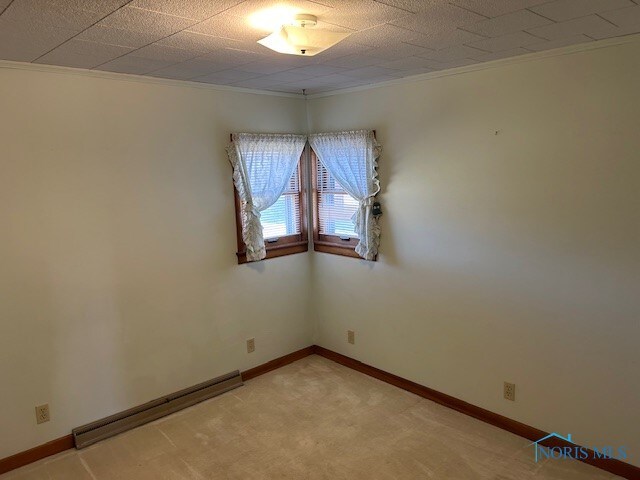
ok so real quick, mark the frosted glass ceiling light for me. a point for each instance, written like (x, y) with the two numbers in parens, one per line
(301, 38)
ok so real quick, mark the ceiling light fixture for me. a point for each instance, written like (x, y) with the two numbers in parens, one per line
(270, 19)
(300, 37)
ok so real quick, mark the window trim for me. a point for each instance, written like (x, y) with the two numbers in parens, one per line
(289, 244)
(332, 244)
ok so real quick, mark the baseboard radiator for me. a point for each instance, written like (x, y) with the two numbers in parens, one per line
(136, 416)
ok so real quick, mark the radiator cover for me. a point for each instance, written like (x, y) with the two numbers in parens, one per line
(134, 417)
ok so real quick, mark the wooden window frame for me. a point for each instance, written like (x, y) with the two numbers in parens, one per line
(332, 244)
(289, 244)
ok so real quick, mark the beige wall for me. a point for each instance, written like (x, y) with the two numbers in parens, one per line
(509, 257)
(118, 276)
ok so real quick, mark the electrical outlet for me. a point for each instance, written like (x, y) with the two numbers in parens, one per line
(351, 337)
(251, 345)
(42, 413)
(510, 391)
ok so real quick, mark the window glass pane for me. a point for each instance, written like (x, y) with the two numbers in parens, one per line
(283, 217)
(335, 206)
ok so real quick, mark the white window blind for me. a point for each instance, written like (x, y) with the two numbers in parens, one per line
(336, 207)
(283, 217)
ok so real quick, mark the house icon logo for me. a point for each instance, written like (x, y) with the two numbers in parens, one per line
(540, 449)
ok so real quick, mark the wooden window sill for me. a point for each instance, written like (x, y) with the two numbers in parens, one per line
(335, 249)
(278, 251)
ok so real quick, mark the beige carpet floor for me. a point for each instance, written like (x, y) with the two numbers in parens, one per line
(313, 419)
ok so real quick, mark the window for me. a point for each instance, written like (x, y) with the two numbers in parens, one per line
(334, 208)
(284, 224)
(345, 186)
(283, 217)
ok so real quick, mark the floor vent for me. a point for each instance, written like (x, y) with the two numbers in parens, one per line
(136, 416)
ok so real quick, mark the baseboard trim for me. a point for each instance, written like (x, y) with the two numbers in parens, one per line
(277, 363)
(614, 466)
(65, 443)
(34, 454)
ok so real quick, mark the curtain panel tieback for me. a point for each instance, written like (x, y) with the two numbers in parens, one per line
(366, 225)
(252, 232)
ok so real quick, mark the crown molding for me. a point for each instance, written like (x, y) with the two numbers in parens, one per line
(530, 57)
(37, 67)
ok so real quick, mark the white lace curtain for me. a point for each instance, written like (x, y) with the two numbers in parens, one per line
(351, 157)
(262, 166)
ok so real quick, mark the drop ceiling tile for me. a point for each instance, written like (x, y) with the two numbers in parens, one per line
(308, 84)
(411, 73)
(369, 72)
(21, 52)
(462, 62)
(28, 41)
(336, 79)
(226, 77)
(165, 53)
(354, 61)
(175, 73)
(381, 35)
(412, 63)
(213, 80)
(318, 70)
(194, 9)
(613, 32)
(133, 65)
(487, 57)
(590, 25)
(509, 23)
(53, 13)
(117, 36)
(312, 84)
(626, 17)
(399, 50)
(377, 79)
(229, 26)
(505, 42)
(198, 42)
(561, 42)
(257, 83)
(413, 6)
(188, 70)
(265, 67)
(494, 8)
(83, 54)
(447, 38)
(362, 14)
(454, 53)
(102, 7)
(223, 56)
(288, 76)
(180, 39)
(129, 18)
(561, 10)
(438, 18)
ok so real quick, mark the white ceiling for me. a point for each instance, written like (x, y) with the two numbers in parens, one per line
(211, 41)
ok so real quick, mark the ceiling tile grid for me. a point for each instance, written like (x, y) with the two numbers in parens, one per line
(213, 41)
